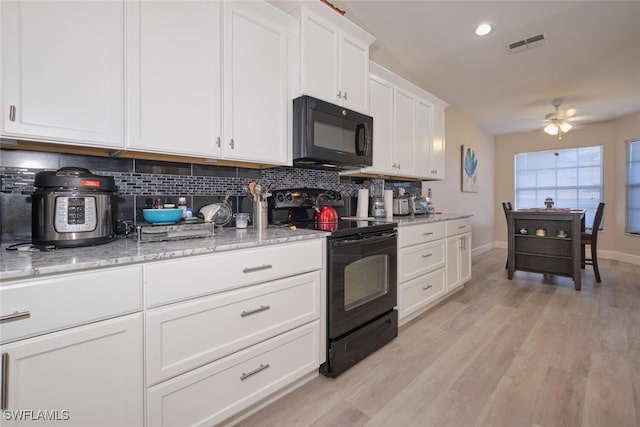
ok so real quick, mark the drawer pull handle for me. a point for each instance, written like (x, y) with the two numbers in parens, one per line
(427, 234)
(4, 400)
(12, 113)
(426, 255)
(16, 315)
(255, 371)
(426, 288)
(462, 226)
(254, 311)
(258, 268)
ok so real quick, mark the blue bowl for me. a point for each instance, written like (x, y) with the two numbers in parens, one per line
(156, 216)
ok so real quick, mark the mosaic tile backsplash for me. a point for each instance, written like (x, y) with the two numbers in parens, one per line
(138, 182)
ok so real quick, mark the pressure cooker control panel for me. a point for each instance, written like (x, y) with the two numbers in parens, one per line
(75, 214)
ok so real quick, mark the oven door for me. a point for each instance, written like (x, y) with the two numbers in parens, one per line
(362, 280)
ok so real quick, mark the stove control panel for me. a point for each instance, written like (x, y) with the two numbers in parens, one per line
(305, 198)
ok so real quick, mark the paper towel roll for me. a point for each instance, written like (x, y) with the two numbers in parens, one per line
(362, 210)
(388, 203)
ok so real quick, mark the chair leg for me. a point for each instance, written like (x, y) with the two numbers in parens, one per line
(594, 261)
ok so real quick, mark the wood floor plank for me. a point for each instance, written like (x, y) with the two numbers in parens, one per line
(525, 352)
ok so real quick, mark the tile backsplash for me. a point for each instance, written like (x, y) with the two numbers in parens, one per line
(139, 181)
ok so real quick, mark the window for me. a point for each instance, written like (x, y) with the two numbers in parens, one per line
(571, 177)
(633, 187)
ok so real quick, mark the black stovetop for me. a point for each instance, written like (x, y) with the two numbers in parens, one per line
(346, 227)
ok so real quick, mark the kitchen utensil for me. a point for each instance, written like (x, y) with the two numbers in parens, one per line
(258, 190)
(242, 219)
(325, 215)
(160, 216)
(225, 214)
(72, 207)
(252, 191)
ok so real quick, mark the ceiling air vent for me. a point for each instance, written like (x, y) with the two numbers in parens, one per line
(525, 44)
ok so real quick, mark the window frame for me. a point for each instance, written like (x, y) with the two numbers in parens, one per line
(629, 144)
(591, 208)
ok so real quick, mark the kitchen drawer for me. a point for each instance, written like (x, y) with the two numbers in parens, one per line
(180, 279)
(68, 300)
(419, 292)
(422, 233)
(210, 394)
(187, 335)
(458, 226)
(417, 260)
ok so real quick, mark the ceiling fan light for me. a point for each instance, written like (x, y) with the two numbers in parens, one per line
(551, 129)
(565, 127)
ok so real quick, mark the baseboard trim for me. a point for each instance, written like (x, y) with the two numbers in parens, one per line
(482, 249)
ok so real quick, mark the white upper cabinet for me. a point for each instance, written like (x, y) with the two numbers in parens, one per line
(174, 76)
(257, 106)
(210, 79)
(381, 109)
(408, 128)
(334, 57)
(62, 71)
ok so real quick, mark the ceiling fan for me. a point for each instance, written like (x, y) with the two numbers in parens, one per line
(558, 121)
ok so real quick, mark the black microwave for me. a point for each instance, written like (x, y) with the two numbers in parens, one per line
(328, 136)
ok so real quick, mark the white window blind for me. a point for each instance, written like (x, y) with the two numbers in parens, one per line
(633, 187)
(572, 177)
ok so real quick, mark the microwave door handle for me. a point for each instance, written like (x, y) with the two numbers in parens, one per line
(360, 127)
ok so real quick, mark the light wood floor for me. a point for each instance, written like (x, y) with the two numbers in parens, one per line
(525, 352)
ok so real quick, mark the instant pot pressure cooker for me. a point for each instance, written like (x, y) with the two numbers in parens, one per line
(72, 207)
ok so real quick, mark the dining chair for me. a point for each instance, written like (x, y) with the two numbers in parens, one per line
(591, 238)
(506, 206)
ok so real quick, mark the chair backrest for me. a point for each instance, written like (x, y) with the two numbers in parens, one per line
(597, 220)
(506, 206)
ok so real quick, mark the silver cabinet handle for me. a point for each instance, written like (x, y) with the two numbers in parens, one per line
(12, 113)
(255, 371)
(462, 226)
(339, 95)
(427, 234)
(254, 311)
(232, 144)
(258, 268)
(4, 400)
(426, 255)
(16, 315)
(344, 96)
(425, 288)
(218, 143)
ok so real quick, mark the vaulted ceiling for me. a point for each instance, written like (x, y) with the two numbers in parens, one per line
(590, 56)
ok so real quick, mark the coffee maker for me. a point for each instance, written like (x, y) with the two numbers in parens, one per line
(377, 208)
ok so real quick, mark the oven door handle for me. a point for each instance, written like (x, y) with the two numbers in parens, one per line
(367, 238)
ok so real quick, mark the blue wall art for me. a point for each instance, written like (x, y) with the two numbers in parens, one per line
(469, 170)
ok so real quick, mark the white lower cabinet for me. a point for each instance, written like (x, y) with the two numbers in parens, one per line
(235, 337)
(90, 375)
(430, 264)
(214, 392)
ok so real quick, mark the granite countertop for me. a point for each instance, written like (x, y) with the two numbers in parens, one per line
(407, 220)
(25, 264)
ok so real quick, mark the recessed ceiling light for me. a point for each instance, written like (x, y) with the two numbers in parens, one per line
(483, 29)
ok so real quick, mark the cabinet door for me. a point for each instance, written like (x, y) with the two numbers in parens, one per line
(63, 71)
(381, 103)
(404, 132)
(465, 258)
(91, 375)
(173, 77)
(437, 145)
(354, 73)
(320, 45)
(423, 140)
(454, 245)
(256, 103)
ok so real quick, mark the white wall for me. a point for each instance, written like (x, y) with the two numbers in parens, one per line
(460, 129)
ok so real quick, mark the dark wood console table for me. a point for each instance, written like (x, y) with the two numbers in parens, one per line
(549, 253)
